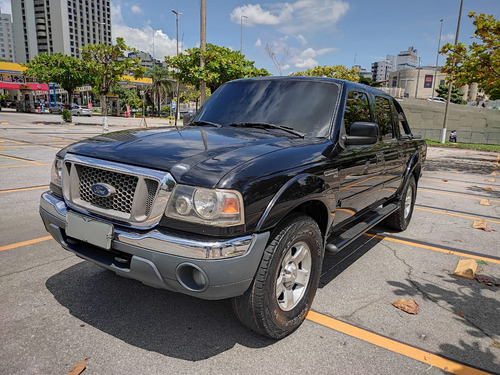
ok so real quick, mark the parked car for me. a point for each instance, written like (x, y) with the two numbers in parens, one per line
(243, 201)
(436, 99)
(79, 110)
(56, 108)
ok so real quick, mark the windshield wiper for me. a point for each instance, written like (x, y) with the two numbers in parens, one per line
(203, 122)
(265, 125)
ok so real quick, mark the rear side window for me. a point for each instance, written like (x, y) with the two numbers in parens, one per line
(357, 109)
(384, 117)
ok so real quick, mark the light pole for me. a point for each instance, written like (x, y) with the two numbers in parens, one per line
(437, 58)
(443, 135)
(101, 31)
(177, 14)
(203, 47)
(418, 78)
(241, 32)
(154, 33)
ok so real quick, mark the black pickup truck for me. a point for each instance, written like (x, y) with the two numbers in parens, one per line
(245, 199)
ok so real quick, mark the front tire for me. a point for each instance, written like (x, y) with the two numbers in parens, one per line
(400, 218)
(286, 281)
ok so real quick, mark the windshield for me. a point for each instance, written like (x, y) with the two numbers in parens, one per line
(305, 106)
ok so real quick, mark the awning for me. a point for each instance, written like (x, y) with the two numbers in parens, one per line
(17, 86)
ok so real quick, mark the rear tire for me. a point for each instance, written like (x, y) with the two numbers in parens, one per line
(400, 218)
(286, 281)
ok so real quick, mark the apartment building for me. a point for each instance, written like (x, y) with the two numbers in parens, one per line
(7, 51)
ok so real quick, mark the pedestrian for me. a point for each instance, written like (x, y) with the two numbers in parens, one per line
(453, 136)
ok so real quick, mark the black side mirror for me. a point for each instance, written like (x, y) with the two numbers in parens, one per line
(362, 133)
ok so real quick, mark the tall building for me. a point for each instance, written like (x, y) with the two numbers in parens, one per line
(146, 60)
(382, 69)
(407, 59)
(6, 38)
(59, 26)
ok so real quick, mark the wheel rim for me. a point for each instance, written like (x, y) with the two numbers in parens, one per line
(293, 276)
(408, 201)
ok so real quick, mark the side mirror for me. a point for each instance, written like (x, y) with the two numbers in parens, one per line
(362, 133)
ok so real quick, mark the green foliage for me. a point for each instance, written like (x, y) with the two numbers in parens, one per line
(66, 115)
(456, 96)
(192, 94)
(126, 96)
(337, 71)
(221, 65)
(108, 64)
(369, 82)
(480, 61)
(68, 71)
(161, 83)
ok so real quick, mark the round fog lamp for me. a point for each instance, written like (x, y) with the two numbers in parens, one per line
(183, 205)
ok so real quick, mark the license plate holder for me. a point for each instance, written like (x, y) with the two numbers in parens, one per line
(90, 230)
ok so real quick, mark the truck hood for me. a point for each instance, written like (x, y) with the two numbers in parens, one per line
(197, 156)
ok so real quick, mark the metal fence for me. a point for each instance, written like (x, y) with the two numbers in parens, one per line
(464, 136)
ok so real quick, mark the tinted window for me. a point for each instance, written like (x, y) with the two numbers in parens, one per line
(306, 106)
(384, 117)
(357, 108)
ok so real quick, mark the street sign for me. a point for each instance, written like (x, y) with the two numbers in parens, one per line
(172, 104)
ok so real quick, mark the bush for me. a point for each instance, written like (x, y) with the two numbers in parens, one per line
(66, 115)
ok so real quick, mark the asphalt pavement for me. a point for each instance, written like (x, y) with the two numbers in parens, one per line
(57, 310)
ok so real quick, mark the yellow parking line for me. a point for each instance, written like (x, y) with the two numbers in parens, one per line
(433, 248)
(24, 189)
(25, 160)
(454, 182)
(457, 215)
(22, 166)
(25, 243)
(394, 346)
(455, 195)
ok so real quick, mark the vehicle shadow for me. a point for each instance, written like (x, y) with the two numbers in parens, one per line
(460, 165)
(156, 320)
(335, 264)
(472, 308)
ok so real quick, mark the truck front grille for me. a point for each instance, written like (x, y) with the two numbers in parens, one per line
(138, 198)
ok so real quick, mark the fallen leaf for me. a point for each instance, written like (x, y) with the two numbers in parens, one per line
(445, 180)
(484, 280)
(488, 188)
(496, 344)
(493, 174)
(79, 368)
(484, 202)
(481, 224)
(466, 268)
(491, 180)
(407, 305)
(481, 262)
(462, 315)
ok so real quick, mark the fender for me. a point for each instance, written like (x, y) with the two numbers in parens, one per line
(410, 167)
(296, 191)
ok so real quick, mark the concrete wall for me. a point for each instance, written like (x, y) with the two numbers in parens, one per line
(473, 124)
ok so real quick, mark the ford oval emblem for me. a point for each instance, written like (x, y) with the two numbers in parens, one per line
(102, 190)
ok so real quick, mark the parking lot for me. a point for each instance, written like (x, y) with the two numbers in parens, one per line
(57, 310)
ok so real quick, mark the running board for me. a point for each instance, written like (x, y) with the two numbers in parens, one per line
(337, 240)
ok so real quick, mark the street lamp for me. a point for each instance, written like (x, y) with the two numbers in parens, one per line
(177, 14)
(437, 57)
(154, 33)
(101, 31)
(241, 32)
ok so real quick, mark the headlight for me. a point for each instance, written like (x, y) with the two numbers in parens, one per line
(215, 207)
(56, 174)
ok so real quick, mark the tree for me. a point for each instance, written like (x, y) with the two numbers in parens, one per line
(108, 64)
(161, 83)
(479, 62)
(221, 65)
(456, 95)
(337, 71)
(192, 94)
(279, 62)
(127, 96)
(68, 71)
(369, 82)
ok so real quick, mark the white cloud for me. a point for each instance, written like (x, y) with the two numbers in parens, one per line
(307, 58)
(136, 9)
(5, 6)
(293, 17)
(258, 42)
(448, 37)
(142, 39)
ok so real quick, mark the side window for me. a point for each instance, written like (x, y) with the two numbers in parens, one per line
(401, 119)
(384, 117)
(357, 109)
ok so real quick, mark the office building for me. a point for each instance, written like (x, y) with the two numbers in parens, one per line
(59, 26)
(146, 60)
(382, 69)
(407, 59)
(6, 38)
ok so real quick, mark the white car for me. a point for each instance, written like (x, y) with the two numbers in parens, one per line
(436, 99)
(79, 110)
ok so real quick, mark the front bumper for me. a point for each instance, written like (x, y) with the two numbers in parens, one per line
(180, 262)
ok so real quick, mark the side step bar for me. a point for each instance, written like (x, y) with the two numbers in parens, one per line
(337, 240)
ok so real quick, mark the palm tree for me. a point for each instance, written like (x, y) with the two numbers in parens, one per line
(161, 83)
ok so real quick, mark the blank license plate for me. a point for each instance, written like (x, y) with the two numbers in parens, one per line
(89, 230)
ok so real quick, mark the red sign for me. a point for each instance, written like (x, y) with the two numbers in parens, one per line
(90, 105)
(30, 86)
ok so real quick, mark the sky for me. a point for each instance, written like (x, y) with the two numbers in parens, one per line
(301, 33)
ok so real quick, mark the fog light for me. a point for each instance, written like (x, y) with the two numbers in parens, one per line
(183, 205)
